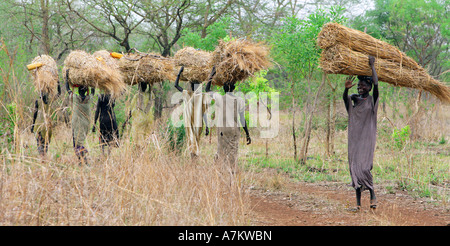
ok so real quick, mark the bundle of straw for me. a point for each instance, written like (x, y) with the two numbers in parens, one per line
(147, 68)
(105, 57)
(339, 59)
(237, 60)
(334, 33)
(196, 64)
(85, 69)
(345, 51)
(45, 74)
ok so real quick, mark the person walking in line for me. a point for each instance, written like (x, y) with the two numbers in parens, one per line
(229, 115)
(81, 112)
(109, 132)
(42, 120)
(194, 113)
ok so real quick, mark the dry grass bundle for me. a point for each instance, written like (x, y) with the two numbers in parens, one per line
(85, 69)
(197, 64)
(333, 33)
(45, 77)
(147, 68)
(107, 59)
(237, 60)
(340, 59)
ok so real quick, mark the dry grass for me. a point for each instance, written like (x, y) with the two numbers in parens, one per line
(147, 68)
(196, 64)
(333, 34)
(106, 59)
(339, 59)
(345, 51)
(134, 185)
(86, 69)
(45, 78)
(236, 60)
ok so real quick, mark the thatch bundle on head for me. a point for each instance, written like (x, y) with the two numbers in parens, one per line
(107, 59)
(85, 69)
(346, 51)
(334, 33)
(147, 68)
(237, 60)
(197, 64)
(45, 77)
(339, 59)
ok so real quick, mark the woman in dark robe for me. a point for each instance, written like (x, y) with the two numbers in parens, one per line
(109, 133)
(362, 131)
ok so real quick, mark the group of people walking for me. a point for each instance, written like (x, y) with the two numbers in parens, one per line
(229, 115)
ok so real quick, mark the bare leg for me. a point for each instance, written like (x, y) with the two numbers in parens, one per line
(373, 199)
(358, 198)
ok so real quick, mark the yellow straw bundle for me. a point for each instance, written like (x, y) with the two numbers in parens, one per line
(44, 73)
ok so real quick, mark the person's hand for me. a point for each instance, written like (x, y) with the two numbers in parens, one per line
(371, 61)
(207, 131)
(249, 140)
(349, 82)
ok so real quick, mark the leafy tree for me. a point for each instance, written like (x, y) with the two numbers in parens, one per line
(420, 28)
(296, 51)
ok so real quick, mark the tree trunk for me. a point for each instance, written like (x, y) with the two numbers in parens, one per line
(45, 41)
(308, 127)
(293, 121)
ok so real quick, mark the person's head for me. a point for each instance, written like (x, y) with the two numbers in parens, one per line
(228, 87)
(83, 91)
(142, 86)
(364, 84)
(194, 85)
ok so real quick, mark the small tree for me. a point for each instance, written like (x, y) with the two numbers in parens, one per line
(296, 51)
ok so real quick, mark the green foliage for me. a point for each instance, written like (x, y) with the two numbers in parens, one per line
(7, 124)
(216, 31)
(256, 84)
(401, 136)
(442, 141)
(295, 48)
(420, 28)
(175, 136)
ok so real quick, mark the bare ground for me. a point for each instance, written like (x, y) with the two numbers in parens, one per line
(331, 203)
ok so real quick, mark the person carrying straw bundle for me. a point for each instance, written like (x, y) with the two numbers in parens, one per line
(45, 79)
(194, 113)
(229, 114)
(362, 111)
(104, 112)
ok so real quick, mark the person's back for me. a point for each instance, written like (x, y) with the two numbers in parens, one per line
(108, 124)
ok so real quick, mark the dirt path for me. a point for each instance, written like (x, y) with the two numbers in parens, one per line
(319, 204)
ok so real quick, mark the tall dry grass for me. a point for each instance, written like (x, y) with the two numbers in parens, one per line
(134, 185)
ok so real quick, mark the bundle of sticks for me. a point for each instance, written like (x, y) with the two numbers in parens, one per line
(345, 51)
